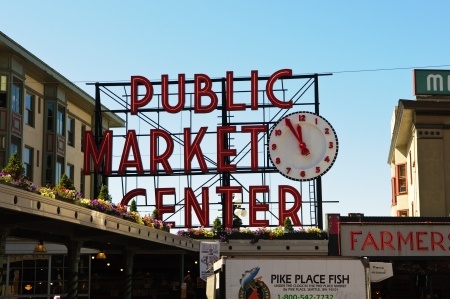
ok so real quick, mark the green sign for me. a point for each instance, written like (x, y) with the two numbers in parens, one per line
(432, 82)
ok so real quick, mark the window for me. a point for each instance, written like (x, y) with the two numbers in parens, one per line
(402, 213)
(28, 162)
(71, 131)
(50, 116)
(394, 192)
(59, 169)
(3, 83)
(27, 281)
(14, 147)
(16, 100)
(83, 131)
(45, 276)
(70, 172)
(29, 109)
(60, 121)
(410, 168)
(401, 179)
(3, 91)
(49, 170)
(2, 151)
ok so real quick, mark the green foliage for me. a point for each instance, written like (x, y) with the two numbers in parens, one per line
(14, 167)
(104, 193)
(288, 227)
(133, 206)
(66, 182)
(155, 214)
(217, 225)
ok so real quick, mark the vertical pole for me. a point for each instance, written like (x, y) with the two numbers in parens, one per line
(225, 175)
(181, 273)
(319, 179)
(98, 182)
(3, 272)
(128, 269)
(333, 223)
(73, 255)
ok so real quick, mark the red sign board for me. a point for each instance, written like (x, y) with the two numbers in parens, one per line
(395, 239)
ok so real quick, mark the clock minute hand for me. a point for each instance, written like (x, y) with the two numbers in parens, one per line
(291, 127)
(303, 148)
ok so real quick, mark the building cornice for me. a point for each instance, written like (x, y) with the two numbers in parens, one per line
(404, 119)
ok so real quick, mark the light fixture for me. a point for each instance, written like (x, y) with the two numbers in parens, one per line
(40, 248)
(101, 255)
(237, 199)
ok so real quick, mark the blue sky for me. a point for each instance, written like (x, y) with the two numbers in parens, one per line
(370, 47)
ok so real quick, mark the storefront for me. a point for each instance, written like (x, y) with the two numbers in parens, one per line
(417, 247)
(37, 275)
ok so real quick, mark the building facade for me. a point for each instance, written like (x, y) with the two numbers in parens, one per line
(419, 156)
(43, 117)
(415, 248)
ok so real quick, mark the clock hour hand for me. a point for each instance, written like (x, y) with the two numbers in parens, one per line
(304, 150)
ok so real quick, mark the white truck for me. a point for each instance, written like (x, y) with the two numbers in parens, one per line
(289, 277)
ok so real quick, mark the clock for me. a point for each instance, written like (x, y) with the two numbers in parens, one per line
(303, 146)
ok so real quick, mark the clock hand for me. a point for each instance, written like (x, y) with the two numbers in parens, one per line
(298, 134)
(291, 127)
(303, 148)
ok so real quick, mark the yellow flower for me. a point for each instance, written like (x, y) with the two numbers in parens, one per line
(47, 192)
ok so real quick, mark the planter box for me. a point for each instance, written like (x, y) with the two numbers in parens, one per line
(238, 236)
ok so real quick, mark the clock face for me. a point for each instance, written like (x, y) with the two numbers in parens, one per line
(303, 146)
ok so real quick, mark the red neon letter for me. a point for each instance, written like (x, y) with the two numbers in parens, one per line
(254, 207)
(206, 91)
(222, 151)
(254, 90)
(131, 143)
(190, 201)
(438, 242)
(386, 241)
(230, 105)
(105, 154)
(163, 159)
(369, 241)
(269, 89)
(419, 240)
(165, 93)
(293, 211)
(162, 209)
(131, 194)
(194, 149)
(254, 130)
(353, 239)
(135, 103)
(400, 240)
